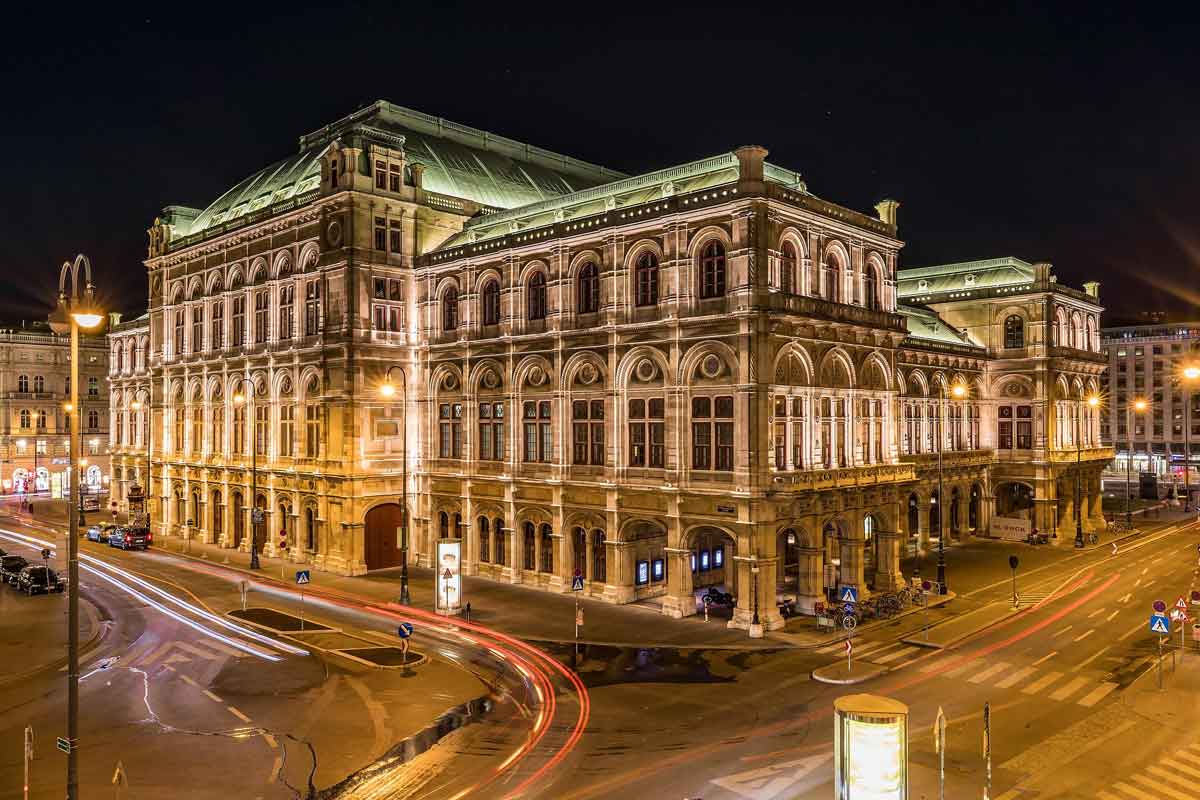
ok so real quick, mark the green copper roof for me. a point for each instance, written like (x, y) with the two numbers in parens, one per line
(633, 191)
(963, 276)
(924, 324)
(460, 161)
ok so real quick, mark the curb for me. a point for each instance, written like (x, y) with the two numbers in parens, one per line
(872, 671)
(870, 626)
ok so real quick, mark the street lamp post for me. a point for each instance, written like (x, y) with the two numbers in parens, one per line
(75, 310)
(136, 405)
(958, 391)
(1140, 406)
(1190, 375)
(1092, 402)
(246, 401)
(389, 390)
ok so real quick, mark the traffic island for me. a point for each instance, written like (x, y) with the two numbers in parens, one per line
(840, 673)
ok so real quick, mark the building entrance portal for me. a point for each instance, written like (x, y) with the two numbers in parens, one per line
(379, 536)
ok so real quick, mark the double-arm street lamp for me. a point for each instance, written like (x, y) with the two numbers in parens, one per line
(1140, 407)
(246, 401)
(76, 310)
(1092, 402)
(388, 389)
(958, 391)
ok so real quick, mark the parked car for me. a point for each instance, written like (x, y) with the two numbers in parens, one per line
(100, 532)
(39, 579)
(10, 568)
(130, 538)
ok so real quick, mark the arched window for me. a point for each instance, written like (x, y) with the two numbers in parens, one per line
(712, 270)
(831, 272)
(871, 287)
(22, 383)
(599, 572)
(787, 268)
(444, 524)
(646, 277)
(491, 303)
(589, 289)
(484, 538)
(450, 309)
(546, 542)
(310, 530)
(530, 549)
(535, 301)
(501, 549)
(25, 418)
(1014, 331)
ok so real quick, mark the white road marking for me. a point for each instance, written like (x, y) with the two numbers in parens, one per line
(1015, 678)
(1109, 618)
(1103, 795)
(1046, 657)
(954, 673)
(898, 654)
(1195, 773)
(1069, 688)
(1096, 695)
(1094, 656)
(1165, 790)
(1125, 599)
(772, 780)
(1186, 756)
(987, 673)
(1149, 584)
(1060, 633)
(1134, 792)
(212, 697)
(1042, 683)
(1094, 613)
(237, 713)
(1084, 635)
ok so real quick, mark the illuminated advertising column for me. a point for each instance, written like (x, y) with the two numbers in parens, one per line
(870, 748)
(448, 576)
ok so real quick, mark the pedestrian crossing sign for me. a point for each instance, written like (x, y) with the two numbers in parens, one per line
(848, 594)
(1160, 624)
(577, 583)
(302, 576)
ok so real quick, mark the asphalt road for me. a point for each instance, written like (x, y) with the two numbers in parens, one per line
(1069, 678)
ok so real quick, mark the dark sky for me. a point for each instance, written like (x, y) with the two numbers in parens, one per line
(1069, 134)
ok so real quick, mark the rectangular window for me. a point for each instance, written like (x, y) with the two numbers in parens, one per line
(380, 292)
(587, 427)
(393, 319)
(380, 175)
(197, 328)
(723, 411)
(312, 430)
(380, 317)
(177, 439)
(1024, 427)
(287, 296)
(197, 429)
(287, 430)
(380, 234)
(394, 176)
(1004, 433)
(312, 300)
(394, 238)
(261, 412)
(491, 431)
(179, 332)
(537, 430)
(701, 433)
(260, 317)
(239, 321)
(216, 338)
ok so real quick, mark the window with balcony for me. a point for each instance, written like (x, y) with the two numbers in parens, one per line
(23, 384)
(39, 383)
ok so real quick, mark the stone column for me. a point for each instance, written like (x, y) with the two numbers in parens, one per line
(679, 601)
(619, 566)
(852, 564)
(560, 574)
(888, 576)
(743, 613)
(809, 590)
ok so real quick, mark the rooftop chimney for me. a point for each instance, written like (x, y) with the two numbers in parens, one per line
(887, 208)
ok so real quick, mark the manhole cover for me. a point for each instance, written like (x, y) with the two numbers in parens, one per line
(277, 620)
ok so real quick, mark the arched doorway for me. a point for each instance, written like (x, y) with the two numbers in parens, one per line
(379, 536)
(218, 523)
(1014, 500)
(239, 518)
(831, 551)
(649, 543)
(973, 508)
(712, 554)
(787, 545)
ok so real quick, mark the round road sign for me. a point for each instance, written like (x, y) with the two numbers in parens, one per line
(1160, 606)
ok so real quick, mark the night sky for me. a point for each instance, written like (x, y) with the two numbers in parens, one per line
(1070, 135)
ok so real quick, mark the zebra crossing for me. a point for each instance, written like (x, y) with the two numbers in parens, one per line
(1062, 687)
(1176, 776)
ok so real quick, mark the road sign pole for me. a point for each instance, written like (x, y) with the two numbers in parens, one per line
(28, 756)
(302, 609)
(987, 749)
(939, 743)
(1160, 663)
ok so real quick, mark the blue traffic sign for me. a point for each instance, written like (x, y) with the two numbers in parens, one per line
(404, 630)
(302, 576)
(1160, 623)
(577, 583)
(848, 594)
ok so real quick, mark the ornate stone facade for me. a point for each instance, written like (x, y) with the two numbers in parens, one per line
(697, 376)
